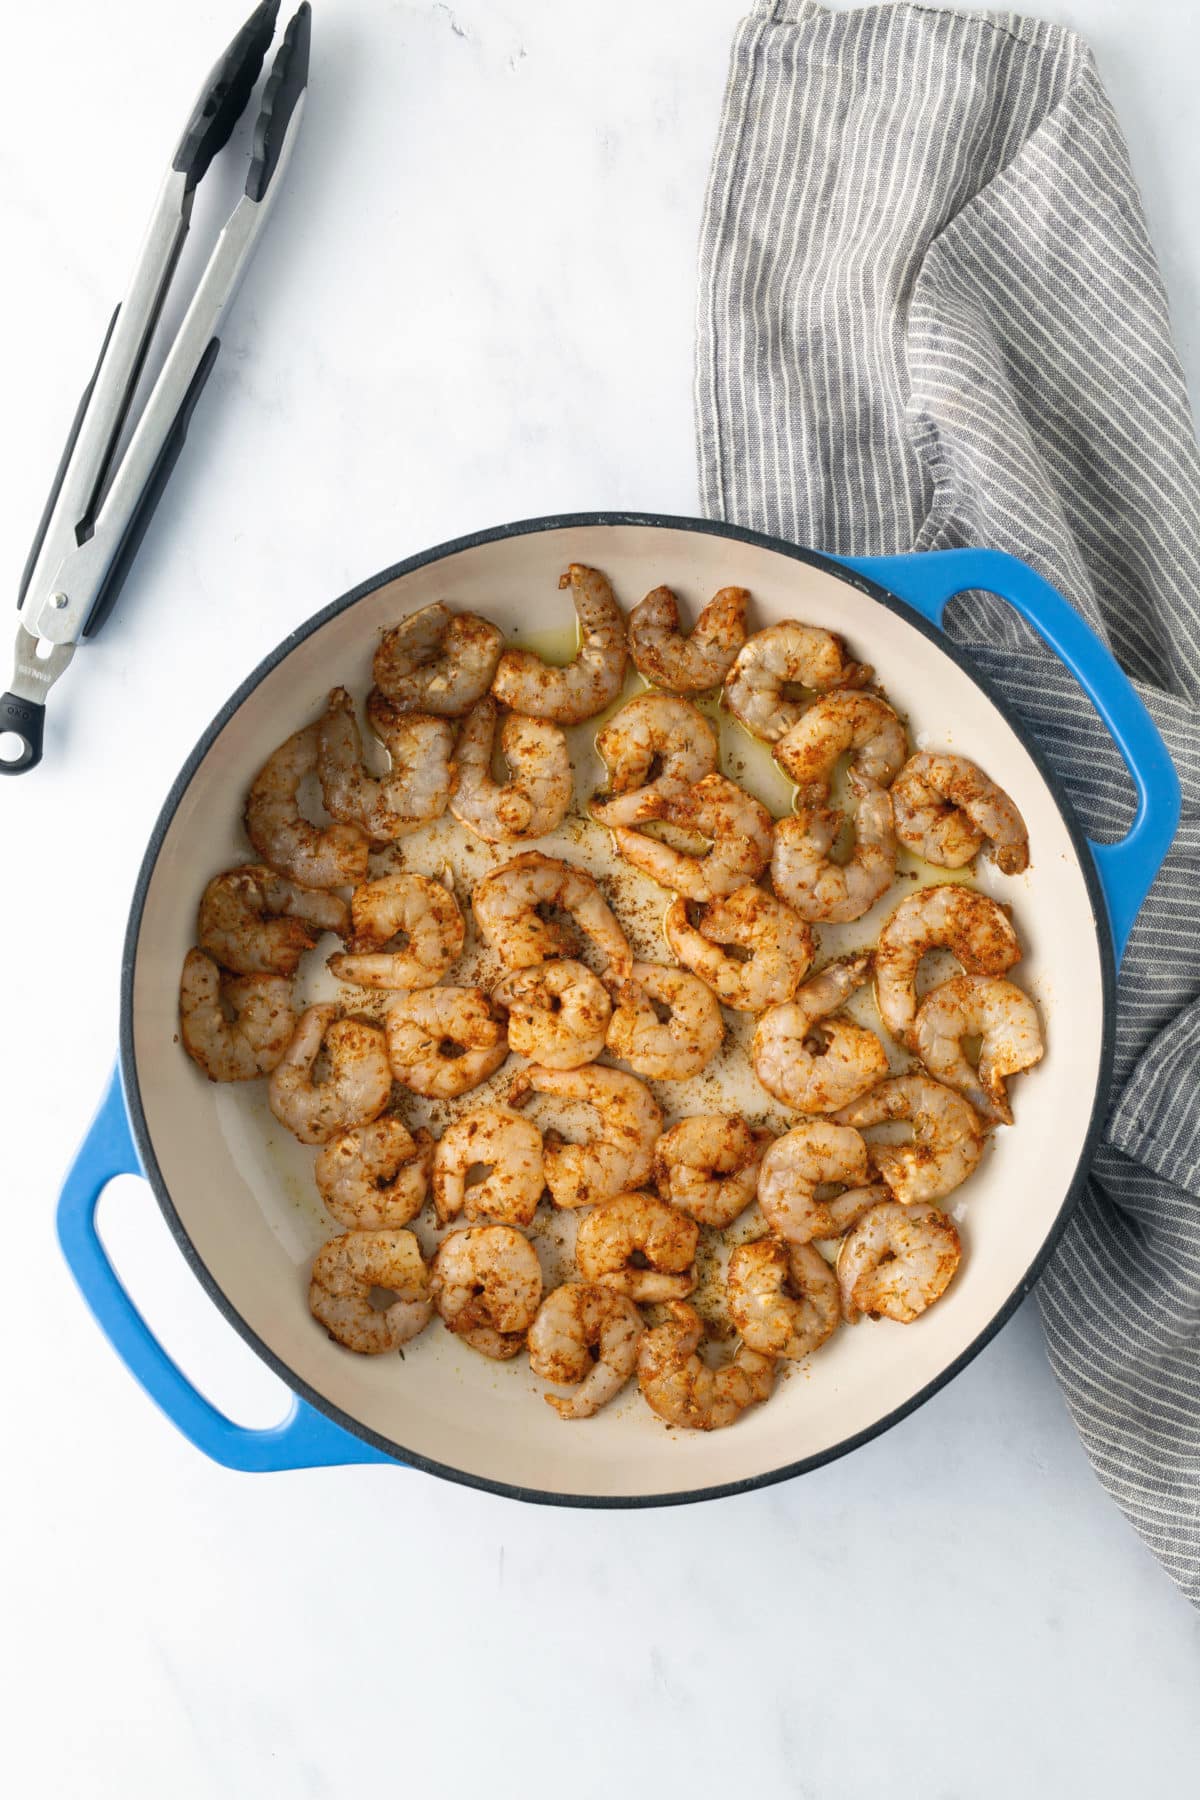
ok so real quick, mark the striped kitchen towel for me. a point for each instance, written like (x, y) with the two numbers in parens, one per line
(930, 316)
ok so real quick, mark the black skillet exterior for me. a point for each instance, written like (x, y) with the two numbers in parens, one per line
(141, 1132)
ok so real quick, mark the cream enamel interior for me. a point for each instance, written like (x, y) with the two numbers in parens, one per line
(250, 1215)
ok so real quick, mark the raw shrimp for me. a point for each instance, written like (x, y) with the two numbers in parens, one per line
(558, 1013)
(946, 808)
(786, 655)
(487, 1286)
(256, 922)
(947, 1137)
(438, 661)
(680, 1387)
(349, 1268)
(708, 1166)
(1003, 1018)
(534, 799)
(783, 1298)
(418, 916)
(896, 1262)
(509, 907)
(845, 721)
(639, 1226)
(803, 869)
(804, 1159)
(665, 1050)
(655, 747)
(489, 1163)
(355, 1090)
(621, 1151)
(248, 1043)
(375, 1176)
(411, 795)
(441, 1041)
(738, 827)
(687, 664)
(971, 925)
(589, 682)
(574, 1320)
(811, 1060)
(317, 856)
(780, 947)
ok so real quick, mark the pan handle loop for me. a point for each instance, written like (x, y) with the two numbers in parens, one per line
(305, 1439)
(929, 580)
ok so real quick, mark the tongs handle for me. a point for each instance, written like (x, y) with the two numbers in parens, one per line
(25, 718)
(138, 521)
(63, 463)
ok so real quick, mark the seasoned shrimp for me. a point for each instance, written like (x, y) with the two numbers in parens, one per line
(1001, 1016)
(234, 1027)
(947, 1138)
(588, 683)
(317, 856)
(779, 947)
(376, 1176)
(620, 1152)
(355, 1090)
(655, 747)
(487, 1286)
(665, 1050)
(680, 1387)
(978, 932)
(861, 723)
(441, 1041)
(708, 1166)
(805, 873)
(534, 799)
(256, 922)
(804, 1159)
(438, 661)
(574, 1320)
(639, 1226)
(558, 1013)
(489, 1163)
(783, 1298)
(896, 1262)
(786, 655)
(509, 910)
(345, 1273)
(411, 795)
(419, 917)
(947, 808)
(810, 1059)
(687, 664)
(738, 829)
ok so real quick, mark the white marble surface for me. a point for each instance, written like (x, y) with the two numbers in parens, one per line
(474, 304)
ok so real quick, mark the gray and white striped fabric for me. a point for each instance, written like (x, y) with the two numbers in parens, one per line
(930, 316)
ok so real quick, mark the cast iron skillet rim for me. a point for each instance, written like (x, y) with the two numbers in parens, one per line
(141, 1131)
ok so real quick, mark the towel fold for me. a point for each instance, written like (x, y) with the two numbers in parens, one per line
(929, 317)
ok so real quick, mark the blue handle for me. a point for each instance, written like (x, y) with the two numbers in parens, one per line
(929, 581)
(305, 1439)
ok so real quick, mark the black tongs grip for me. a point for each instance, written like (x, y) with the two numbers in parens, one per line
(223, 98)
(35, 548)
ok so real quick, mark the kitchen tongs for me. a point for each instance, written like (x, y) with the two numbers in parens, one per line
(97, 513)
